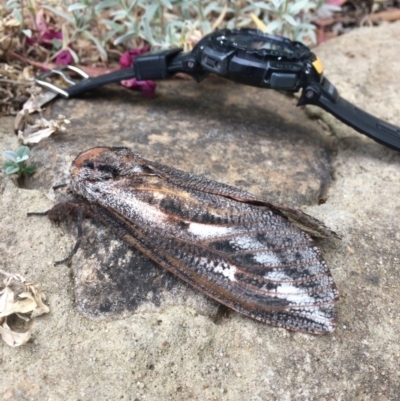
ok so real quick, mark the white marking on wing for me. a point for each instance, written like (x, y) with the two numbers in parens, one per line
(226, 270)
(203, 231)
(276, 275)
(126, 203)
(267, 258)
(293, 294)
(245, 243)
(148, 213)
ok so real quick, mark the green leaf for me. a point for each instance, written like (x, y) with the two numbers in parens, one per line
(11, 4)
(166, 3)
(23, 151)
(117, 15)
(76, 6)
(106, 38)
(296, 7)
(100, 48)
(17, 15)
(288, 18)
(57, 44)
(27, 33)
(10, 155)
(105, 4)
(205, 27)
(74, 55)
(123, 38)
(28, 170)
(22, 159)
(59, 13)
(115, 26)
(267, 7)
(131, 5)
(8, 164)
(279, 4)
(12, 169)
(275, 26)
(150, 12)
(148, 35)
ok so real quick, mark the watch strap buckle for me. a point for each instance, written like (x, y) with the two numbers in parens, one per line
(42, 81)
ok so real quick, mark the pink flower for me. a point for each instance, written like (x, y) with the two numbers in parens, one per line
(64, 58)
(337, 3)
(147, 88)
(46, 35)
(127, 58)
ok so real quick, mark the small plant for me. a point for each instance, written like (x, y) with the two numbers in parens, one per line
(16, 161)
(293, 18)
(89, 31)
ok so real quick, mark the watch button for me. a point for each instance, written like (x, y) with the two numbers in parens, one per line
(214, 61)
(281, 80)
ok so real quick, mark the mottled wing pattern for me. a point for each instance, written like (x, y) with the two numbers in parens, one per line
(193, 182)
(230, 245)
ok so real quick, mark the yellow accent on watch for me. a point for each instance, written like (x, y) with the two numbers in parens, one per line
(317, 64)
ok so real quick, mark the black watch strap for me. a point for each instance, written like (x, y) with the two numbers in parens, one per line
(85, 83)
(89, 84)
(149, 66)
(162, 64)
(326, 96)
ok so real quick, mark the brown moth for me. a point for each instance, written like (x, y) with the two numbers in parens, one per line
(243, 251)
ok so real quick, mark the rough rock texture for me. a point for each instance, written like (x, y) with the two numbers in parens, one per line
(176, 345)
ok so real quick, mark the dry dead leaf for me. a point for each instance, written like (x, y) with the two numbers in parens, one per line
(12, 338)
(41, 129)
(25, 300)
(34, 104)
(25, 304)
(41, 307)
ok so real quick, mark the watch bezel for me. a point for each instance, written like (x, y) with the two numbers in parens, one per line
(290, 50)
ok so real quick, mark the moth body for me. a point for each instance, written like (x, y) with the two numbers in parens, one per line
(236, 248)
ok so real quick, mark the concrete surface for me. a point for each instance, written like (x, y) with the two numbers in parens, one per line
(169, 342)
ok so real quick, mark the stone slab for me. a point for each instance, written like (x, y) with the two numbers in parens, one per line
(175, 350)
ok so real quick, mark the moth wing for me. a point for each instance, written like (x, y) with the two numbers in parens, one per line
(305, 222)
(276, 276)
(238, 249)
(255, 274)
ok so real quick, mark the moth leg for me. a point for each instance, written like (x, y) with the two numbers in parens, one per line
(52, 209)
(77, 243)
(58, 186)
(38, 213)
(59, 212)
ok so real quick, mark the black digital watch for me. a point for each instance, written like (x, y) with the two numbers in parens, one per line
(249, 57)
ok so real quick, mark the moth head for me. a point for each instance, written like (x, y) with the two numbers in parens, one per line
(95, 163)
(105, 163)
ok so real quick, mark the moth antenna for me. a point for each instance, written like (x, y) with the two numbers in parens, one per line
(38, 213)
(47, 211)
(59, 186)
(77, 243)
